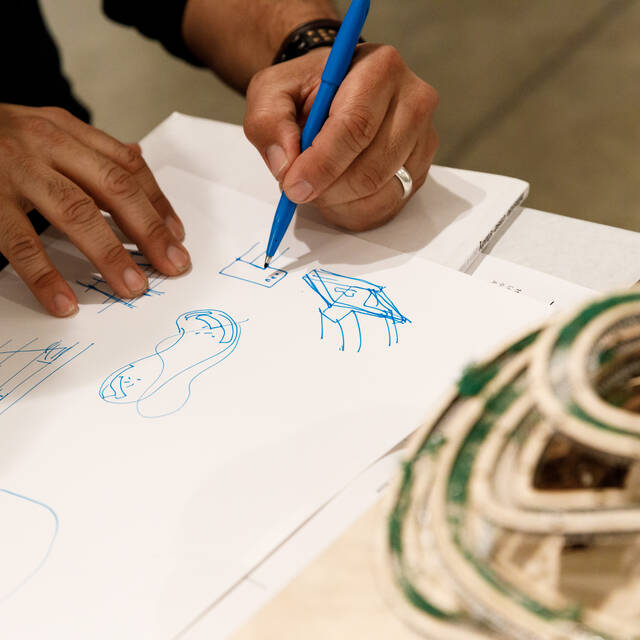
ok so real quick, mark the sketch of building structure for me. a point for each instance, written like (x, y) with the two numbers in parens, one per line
(26, 365)
(347, 301)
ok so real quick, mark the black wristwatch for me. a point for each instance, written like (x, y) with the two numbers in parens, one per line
(306, 37)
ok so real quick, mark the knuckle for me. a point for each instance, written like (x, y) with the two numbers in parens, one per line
(327, 168)
(77, 208)
(9, 147)
(258, 80)
(113, 254)
(255, 123)
(367, 181)
(425, 101)
(120, 182)
(358, 126)
(41, 128)
(23, 249)
(131, 158)
(44, 277)
(56, 113)
(157, 232)
(158, 200)
(29, 164)
(390, 58)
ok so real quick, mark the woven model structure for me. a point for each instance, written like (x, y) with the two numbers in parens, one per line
(517, 512)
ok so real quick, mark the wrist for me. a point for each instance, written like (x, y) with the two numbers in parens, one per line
(286, 20)
(238, 38)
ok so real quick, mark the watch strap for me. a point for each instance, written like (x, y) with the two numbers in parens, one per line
(306, 37)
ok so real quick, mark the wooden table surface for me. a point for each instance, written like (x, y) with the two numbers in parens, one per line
(339, 596)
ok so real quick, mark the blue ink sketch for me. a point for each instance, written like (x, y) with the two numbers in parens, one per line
(348, 300)
(28, 550)
(160, 384)
(24, 366)
(98, 285)
(250, 268)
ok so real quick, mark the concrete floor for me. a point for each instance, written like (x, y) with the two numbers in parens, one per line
(546, 91)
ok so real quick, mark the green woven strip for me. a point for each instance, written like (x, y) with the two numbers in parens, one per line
(570, 331)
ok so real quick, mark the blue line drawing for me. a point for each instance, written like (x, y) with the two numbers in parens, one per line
(347, 300)
(7, 592)
(250, 268)
(160, 384)
(25, 367)
(99, 285)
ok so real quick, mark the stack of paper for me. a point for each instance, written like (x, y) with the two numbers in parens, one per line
(156, 450)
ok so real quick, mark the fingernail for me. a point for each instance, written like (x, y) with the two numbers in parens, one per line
(277, 159)
(300, 191)
(134, 280)
(63, 305)
(178, 257)
(175, 227)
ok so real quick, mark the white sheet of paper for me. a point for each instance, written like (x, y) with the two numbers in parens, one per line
(592, 255)
(180, 437)
(288, 560)
(554, 292)
(446, 221)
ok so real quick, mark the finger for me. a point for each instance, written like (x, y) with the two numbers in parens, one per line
(72, 211)
(117, 191)
(271, 117)
(135, 146)
(355, 117)
(375, 167)
(21, 246)
(128, 156)
(377, 209)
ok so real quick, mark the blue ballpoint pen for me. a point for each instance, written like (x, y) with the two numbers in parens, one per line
(334, 73)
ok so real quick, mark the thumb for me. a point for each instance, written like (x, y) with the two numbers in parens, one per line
(271, 120)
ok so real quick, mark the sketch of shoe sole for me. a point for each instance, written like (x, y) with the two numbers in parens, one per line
(160, 384)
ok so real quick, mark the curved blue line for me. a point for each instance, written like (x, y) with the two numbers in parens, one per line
(227, 351)
(50, 547)
(234, 339)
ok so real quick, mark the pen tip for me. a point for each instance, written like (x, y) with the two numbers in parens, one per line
(267, 261)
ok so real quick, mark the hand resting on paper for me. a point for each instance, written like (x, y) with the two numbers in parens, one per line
(380, 120)
(68, 170)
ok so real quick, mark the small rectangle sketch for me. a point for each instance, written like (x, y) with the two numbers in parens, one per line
(250, 268)
(347, 301)
(24, 366)
(109, 298)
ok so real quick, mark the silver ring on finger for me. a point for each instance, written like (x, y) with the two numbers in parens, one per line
(406, 181)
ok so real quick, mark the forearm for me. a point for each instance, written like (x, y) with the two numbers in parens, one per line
(237, 38)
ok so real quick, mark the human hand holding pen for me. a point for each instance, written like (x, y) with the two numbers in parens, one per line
(380, 120)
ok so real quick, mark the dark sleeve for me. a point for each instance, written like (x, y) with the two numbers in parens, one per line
(159, 20)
